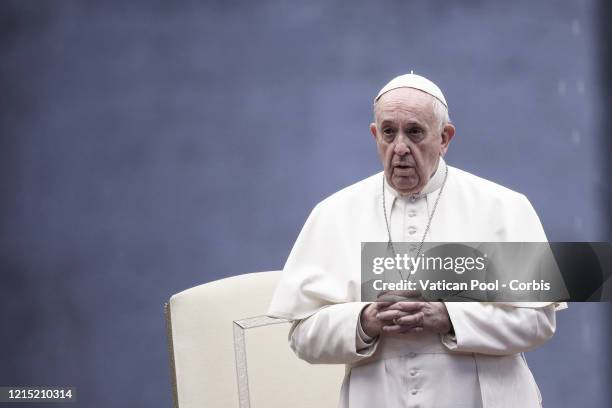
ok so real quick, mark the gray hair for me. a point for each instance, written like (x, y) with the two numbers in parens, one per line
(440, 112)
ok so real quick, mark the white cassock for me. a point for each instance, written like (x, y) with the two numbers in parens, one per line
(482, 365)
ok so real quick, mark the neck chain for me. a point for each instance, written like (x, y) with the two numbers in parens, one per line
(433, 211)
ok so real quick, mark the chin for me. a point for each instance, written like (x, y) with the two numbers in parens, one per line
(405, 187)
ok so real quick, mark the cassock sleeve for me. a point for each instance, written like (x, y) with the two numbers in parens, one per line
(330, 336)
(323, 268)
(319, 290)
(487, 328)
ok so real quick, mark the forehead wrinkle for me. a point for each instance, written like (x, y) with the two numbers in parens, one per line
(401, 121)
(405, 102)
(403, 115)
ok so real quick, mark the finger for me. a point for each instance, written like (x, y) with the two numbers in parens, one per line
(381, 293)
(399, 296)
(381, 305)
(390, 315)
(410, 320)
(402, 329)
(392, 328)
(405, 293)
(407, 306)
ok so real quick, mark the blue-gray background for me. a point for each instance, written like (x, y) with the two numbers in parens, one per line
(147, 147)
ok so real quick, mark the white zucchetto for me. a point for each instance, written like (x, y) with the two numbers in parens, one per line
(416, 82)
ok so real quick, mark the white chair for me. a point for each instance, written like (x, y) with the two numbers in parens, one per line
(224, 352)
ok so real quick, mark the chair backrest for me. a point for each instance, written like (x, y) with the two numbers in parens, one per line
(225, 352)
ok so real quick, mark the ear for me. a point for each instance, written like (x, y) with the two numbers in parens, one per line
(448, 132)
(373, 130)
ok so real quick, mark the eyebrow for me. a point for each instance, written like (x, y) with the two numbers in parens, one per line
(409, 122)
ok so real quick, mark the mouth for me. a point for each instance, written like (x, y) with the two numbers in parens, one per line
(403, 166)
(403, 170)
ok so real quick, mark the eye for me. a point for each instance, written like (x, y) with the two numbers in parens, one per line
(388, 132)
(416, 134)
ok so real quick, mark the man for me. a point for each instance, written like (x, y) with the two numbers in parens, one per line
(412, 353)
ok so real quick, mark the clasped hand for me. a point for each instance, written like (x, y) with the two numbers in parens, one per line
(404, 316)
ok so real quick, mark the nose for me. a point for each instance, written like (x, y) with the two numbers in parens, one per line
(401, 149)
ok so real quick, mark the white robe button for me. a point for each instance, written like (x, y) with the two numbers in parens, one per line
(414, 392)
(412, 230)
(412, 354)
(413, 373)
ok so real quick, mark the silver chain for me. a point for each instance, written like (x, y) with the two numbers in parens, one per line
(433, 211)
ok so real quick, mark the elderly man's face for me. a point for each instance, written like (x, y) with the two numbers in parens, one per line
(409, 137)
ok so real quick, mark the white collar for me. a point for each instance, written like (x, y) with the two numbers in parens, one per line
(434, 183)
